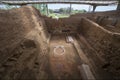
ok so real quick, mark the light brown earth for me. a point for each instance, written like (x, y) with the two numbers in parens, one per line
(64, 66)
(28, 41)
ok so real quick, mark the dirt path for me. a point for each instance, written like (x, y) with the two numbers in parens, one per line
(64, 59)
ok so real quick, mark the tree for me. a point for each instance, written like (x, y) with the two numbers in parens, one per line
(62, 10)
(65, 10)
(10, 7)
(51, 11)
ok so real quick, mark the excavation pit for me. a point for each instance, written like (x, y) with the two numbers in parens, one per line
(59, 50)
(30, 38)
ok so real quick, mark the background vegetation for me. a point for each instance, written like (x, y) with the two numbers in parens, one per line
(63, 12)
(43, 8)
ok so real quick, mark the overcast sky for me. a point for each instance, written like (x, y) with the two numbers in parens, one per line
(80, 7)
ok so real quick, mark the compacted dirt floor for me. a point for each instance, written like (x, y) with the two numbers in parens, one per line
(63, 59)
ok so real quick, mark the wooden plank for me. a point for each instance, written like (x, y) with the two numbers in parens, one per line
(86, 72)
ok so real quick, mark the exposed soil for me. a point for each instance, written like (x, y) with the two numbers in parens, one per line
(64, 66)
(35, 47)
(20, 52)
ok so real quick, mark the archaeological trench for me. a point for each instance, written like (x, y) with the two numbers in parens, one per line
(82, 47)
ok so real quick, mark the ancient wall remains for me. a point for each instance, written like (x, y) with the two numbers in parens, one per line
(106, 45)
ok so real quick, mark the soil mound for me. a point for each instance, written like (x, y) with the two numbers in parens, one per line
(21, 36)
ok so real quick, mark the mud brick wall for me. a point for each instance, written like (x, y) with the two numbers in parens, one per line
(106, 45)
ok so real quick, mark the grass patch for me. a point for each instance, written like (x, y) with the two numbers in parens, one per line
(54, 15)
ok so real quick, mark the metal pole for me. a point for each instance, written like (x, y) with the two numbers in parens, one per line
(89, 10)
(47, 9)
(118, 6)
(94, 7)
(70, 8)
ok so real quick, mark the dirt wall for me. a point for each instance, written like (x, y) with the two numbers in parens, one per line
(110, 23)
(105, 45)
(64, 25)
(23, 43)
(72, 23)
(105, 13)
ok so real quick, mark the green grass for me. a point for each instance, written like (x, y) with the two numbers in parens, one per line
(53, 15)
